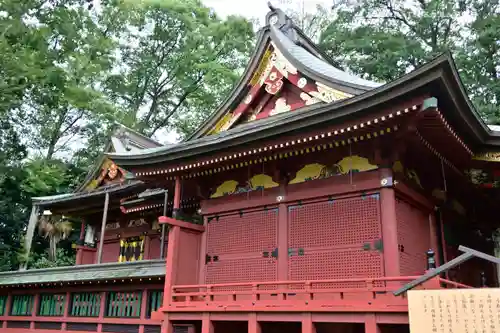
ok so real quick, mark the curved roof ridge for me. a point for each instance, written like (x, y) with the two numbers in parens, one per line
(318, 68)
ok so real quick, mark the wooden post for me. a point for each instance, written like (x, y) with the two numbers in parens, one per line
(253, 324)
(102, 310)
(203, 253)
(34, 310)
(7, 309)
(163, 227)
(103, 227)
(177, 197)
(282, 242)
(307, 323)
(207, 325)
(371, 324)
(172, 256)
(29, 233)
(389, 226)
(67, 303)
(434, 236)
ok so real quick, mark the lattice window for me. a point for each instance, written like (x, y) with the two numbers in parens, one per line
(52, 305)
(22, 305)
(124, 304)
(155, 300)
(336, 239)
(85, 304)
(3, 303)
(240, 247)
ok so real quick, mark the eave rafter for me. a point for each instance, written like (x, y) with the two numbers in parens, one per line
(327, 138)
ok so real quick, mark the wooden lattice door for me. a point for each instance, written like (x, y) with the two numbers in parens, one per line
(242, 247)
(335, 239)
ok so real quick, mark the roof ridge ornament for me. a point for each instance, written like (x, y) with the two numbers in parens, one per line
(276, 16)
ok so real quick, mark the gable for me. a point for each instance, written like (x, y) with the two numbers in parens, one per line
(109, 174)
(276, 86)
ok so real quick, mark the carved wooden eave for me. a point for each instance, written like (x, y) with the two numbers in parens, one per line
(104, 175)
(285, 73)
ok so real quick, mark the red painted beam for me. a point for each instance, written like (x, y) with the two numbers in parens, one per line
(181, 224)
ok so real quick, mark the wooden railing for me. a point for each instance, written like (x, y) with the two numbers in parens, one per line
(108, 311)
(448, 283)
(317, 295)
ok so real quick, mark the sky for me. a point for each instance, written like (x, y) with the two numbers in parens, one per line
(251, 9)
(258, 8)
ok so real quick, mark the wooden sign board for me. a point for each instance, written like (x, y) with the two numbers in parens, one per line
(454, 311)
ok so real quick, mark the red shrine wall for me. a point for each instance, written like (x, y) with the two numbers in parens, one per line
(325, 229)
(188, 257)
(413, 238)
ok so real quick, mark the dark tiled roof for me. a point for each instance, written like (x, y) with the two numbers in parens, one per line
(101, 191)
(137, 269)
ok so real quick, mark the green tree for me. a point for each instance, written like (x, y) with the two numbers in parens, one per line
(177, 63)
(384, 39)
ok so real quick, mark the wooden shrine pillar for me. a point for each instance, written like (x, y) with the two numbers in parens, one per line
(81, 243)
(177, 197)
(434, 237)
(28, 240)
(371, 325)
(389, 223)
(103, 227)
(172, 244)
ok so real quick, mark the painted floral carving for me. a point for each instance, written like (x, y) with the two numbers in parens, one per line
(248, 99)
(280, 106)
(273, 87)
(281, 63)
(301, 83)
(327, 94)
(308, 100)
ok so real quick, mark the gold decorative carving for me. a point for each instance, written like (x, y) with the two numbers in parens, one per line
(327, 94)
(262, 181)
(263, 65)
(228, 187)
(308, 99)
(356, 164)
(137, 223)
(280, 106)
(220, 124)
(411, 174)
(308, 172)
(489, 157)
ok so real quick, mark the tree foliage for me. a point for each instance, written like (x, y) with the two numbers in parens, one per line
(384, 39)
(69, 71)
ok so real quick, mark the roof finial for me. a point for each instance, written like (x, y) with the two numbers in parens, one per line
(270, 5)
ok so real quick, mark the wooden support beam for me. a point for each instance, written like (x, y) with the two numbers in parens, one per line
(163, 227)
(28, 239)
(103, 227)
(468, 254)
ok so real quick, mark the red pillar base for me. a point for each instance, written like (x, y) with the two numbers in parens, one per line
(253, 324)
(371, 325)
(207, 325)
(307, 324)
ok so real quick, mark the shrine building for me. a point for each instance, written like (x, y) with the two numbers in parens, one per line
(303, 202)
